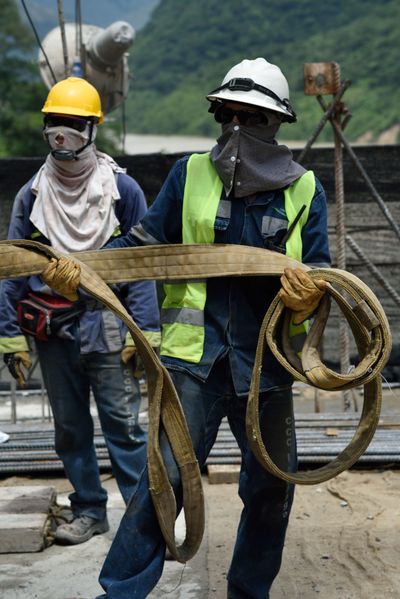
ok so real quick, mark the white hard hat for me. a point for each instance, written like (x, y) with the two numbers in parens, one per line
(256, 82)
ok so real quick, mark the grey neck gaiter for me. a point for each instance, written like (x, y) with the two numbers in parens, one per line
(249, 160)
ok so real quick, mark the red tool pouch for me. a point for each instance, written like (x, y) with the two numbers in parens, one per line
(42, 316)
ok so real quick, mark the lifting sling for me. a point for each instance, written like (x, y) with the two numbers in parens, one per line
(176, 262)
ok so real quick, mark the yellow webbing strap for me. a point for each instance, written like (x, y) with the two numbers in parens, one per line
(174, 262)
(374, 343)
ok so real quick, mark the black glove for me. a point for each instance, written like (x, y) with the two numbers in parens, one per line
(14, 362)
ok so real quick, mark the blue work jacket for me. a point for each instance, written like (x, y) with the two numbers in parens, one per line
(99, 329)
(235, 306)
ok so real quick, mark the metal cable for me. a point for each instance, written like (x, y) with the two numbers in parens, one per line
(38, 41)
(373, 270)
(79, 48)
(78, 28)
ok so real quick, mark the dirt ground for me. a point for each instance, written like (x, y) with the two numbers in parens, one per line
(343, 542)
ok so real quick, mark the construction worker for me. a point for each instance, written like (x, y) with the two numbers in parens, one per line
(78, 200)
(245, 191)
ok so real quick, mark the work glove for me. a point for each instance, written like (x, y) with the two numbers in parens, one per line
(130, 356)
(300, 293)
(15, 361)
(63, 275)
(128, 353)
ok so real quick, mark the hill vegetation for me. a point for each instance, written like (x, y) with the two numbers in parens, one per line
(20, 88)
(186, 49)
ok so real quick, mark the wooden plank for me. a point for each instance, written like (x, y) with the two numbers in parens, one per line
(23, 517)
(224, 473)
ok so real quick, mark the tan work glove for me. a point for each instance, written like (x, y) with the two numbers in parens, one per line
(15, 361)
(300, 293)
(63, 275)
(128, 353)
(130, 356)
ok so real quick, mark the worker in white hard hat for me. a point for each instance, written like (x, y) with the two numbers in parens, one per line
(247, 190)
(256, 83)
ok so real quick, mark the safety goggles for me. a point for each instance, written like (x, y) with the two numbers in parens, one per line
(225, 115)
(73, 122)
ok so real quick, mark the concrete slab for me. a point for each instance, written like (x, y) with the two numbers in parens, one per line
(24, 517)
(60, 572)
(72, 572)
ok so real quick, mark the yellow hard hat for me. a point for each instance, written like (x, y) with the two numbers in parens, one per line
(74, 96)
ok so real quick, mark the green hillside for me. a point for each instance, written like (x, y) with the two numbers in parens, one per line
(102, 13)
(186, 48)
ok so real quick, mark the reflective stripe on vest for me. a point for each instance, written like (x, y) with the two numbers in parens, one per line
(300, 193)
(182, 314)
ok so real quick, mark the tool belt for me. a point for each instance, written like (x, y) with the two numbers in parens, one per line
(176, 262)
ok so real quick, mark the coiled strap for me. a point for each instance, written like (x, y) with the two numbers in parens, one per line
(373, 339)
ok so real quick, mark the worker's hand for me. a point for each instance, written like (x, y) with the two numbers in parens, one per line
(130, 356)
(300, 293)
(63, 275)
(15, 361)
(128, 353)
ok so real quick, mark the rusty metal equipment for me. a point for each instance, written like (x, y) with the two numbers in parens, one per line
(320, 79)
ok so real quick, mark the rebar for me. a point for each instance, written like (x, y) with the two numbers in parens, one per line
(365, 176)
(31, 449)
(373, 270)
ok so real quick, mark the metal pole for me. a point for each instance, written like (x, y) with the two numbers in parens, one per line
(61, 20)
(340, 244)
(13, 389)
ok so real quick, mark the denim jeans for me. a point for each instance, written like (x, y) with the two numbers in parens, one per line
(135, 561)
(69, 377)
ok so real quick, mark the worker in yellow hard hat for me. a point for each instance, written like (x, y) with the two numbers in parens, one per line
(79, 200)
(74, 104)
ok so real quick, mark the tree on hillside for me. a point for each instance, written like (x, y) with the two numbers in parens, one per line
(182, 52)
(21, 92)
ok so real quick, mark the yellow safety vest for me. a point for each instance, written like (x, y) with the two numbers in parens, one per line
(182, 314)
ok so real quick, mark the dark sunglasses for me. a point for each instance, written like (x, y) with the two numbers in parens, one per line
(225, 115)
(51, 120)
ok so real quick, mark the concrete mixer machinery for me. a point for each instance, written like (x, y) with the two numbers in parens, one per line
(97, 54)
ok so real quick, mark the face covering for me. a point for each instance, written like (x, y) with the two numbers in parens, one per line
(74, 205)
(66, 141)
(249, 160)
